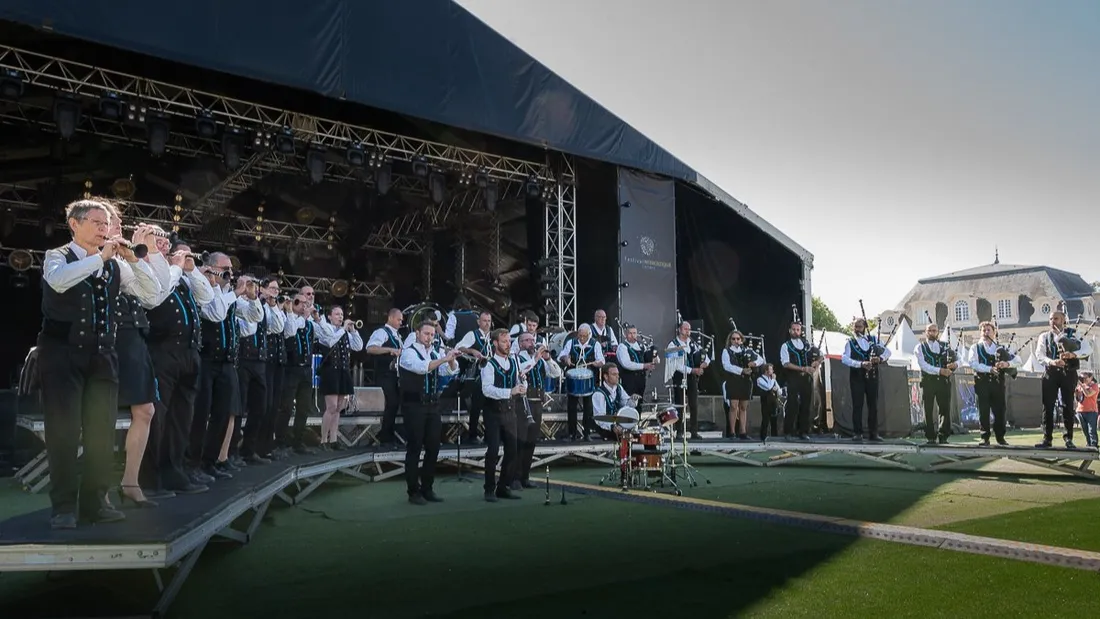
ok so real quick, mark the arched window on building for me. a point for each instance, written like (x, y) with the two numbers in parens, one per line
(962, 311)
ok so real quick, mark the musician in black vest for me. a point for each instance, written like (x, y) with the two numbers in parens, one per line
(634, 361)
(337, 384)
(174, 341)
(385, 345)
(219, 400)
(609, 399)
(739, 361)
(861, 358)
(421, 367)
(137, 384)
(478, 344)
(581, 351)
(694, 363)
(936, 385)
(536, 361)
(605, 335)
(276, 368)
(77, 363)
(794, 354)
(256, 346)
(768, 388)
(989, 381)
(528, 324)
(303, 324)
(1059, 378)
(500, 383)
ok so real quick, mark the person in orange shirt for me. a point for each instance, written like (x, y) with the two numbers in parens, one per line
(1087, 390)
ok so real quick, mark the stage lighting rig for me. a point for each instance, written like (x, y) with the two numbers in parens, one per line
(205, 125)
(111, 107)
(66, 115)
(11, 84)
(157, 131)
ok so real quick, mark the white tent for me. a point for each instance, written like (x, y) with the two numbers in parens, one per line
(901, 345)
(1029, 365)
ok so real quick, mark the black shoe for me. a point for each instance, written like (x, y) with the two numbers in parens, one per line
(190, 488)
(104, 514)
(228, 466)
(338, 446)
(943, 440)
(506, 493)
(216, 472)
(1001, 441)
(1047, 443)
(63, 521)
(431, 497)
(199, 478)
(875, 438)
(134, 495)
(527, 483)
(805, 438)
(985, 441)
(857, 438)
(302, 450)
(490, 497)
(516, 486)
(256, 459)
(1069, 444)
(416, 499)
(158, 494)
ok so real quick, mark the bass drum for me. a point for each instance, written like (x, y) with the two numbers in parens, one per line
(558, 340)
(416, 314)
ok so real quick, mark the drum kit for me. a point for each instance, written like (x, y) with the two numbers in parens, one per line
(647, 453)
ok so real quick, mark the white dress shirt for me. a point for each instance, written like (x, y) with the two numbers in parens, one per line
(294, 322)
(136, 279)
(384, 334)
(991, 350)
(527, 361)
(599, 403)
(246, 309)
(591, 343)
(276, 322)
(1042, 344)
(727, 361)
(606, 331)
(767, 383)
(468, 341)
(864, 344)
(785, 355)
(622, 356)
(332, 337)
(488, 382)
(409, 361)
(195, 281)
(918, 352)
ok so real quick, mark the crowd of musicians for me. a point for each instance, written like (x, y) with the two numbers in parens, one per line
(212, 366)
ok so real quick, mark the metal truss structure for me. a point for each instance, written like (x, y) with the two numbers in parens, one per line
(254, 119)
(320, 285)
(560, 249)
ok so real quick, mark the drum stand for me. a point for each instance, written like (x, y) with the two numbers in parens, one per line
(458, 415)
(680, 460)
(622, 468)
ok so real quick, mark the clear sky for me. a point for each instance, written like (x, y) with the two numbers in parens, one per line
(894, 139)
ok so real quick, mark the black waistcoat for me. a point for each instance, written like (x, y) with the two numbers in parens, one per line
(177, 319)
(84, 315)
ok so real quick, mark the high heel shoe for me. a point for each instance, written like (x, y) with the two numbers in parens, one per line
(143, 503)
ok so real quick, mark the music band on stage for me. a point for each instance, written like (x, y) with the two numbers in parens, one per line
(220, 370)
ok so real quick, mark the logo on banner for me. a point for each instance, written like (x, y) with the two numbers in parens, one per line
(648, 248)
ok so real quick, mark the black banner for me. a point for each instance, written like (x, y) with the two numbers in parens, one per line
(647, 255)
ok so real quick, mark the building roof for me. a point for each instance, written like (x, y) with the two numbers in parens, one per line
(992, 280)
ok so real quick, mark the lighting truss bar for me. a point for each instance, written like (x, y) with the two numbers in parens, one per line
(319, 284)
(87, 81)
(23, 198)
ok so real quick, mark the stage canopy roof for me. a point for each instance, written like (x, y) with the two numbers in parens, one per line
(429, 59)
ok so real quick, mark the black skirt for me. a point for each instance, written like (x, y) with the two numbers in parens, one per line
(738, 388)
(335, 381)
(137, 382)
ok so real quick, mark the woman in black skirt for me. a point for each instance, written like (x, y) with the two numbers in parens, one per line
(336, 381)
(137, 388)
(738, 385)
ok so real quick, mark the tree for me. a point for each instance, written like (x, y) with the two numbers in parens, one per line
(824, 318)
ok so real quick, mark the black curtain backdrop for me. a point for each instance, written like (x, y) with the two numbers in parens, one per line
(597, 242)
(728, 268)
(647, 220)
(894, 418)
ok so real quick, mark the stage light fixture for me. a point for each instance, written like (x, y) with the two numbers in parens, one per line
(482, 178)
(111, 107)
(205, 125)
(383, 179)
(355, 156)
(231, 148)
(136, 112)
(533, 189)
(437, 185)
(66, 115)
(315, 164)
(420, 166)
(284, 141)
(157, 130)
(20, 260)
(262, 139)
(11, 84)
(491, 194)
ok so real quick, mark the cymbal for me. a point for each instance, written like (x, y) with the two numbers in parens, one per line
(662, 405)
(614, 419)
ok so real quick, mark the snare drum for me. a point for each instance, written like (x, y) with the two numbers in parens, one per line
(549, 385)
(579, 382)
(647, 461)
(668, 417)
(649, 438)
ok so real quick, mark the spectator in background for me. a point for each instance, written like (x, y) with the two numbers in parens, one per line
(1087, 390)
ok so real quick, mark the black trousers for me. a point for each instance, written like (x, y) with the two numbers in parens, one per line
(477, 407)
(500, 428)
(266, 441)
(769, 414)
(863, 387)
(177, 368)
(388, 382)
(217, 402)
(692, 410)
(796, 419)
(633, 382)
(1055, 381)
(530, 438)
(296, 395)
(937, 392)
(252, 378)
(990, 391)
(79, 400)
(571, 403)
(423, 431)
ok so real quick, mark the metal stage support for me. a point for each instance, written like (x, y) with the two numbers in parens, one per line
(560, 247)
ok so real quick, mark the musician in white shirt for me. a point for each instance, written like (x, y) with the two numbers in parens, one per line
(337, 384)
(501, 384)
(605, 335)
(609, 399)
(989, 380)
(476, 343)
(936, 384)
(384, 344)
(537, 364)
(581, 352)
(769, 402)
(528, 324)
(634, 361)
(862, 354)
(421, 366)
(686, 361)
(738, 384)
(794, 355)
(1060, 368)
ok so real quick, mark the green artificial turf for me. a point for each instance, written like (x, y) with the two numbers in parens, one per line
(1074, 525)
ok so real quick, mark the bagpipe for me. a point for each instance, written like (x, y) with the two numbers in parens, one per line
(874, 354)
(813, 353)
(752, 351)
